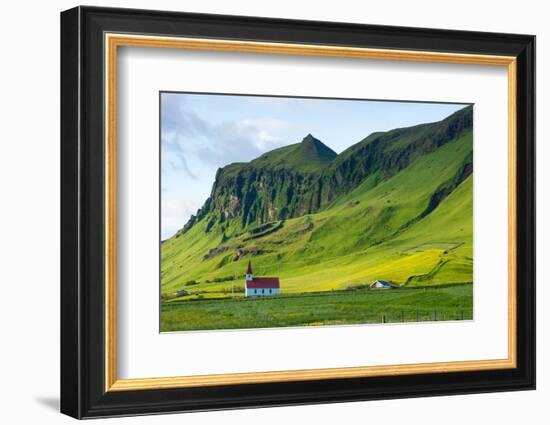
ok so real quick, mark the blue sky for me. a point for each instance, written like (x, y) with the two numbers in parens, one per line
(201, 133)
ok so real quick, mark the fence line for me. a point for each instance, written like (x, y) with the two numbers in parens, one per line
(398, 315)
(419, 315)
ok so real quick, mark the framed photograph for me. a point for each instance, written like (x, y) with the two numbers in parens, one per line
(261, 212)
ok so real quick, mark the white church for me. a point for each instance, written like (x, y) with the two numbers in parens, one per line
(260, 286)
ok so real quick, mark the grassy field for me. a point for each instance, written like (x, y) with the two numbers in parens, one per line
(445, 302)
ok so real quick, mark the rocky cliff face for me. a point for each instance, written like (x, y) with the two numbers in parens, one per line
(303, 178)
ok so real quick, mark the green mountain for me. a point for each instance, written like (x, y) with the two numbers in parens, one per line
(397, 205)
(309, 156)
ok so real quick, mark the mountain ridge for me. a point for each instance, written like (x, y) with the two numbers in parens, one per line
(305, 177)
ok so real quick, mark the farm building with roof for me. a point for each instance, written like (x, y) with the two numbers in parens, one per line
(380, 284)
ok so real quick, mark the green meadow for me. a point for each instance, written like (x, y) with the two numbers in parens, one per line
(439, 303)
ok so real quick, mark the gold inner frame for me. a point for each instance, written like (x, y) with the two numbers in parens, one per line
(113, 41)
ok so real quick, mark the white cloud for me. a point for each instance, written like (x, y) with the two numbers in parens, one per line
(188, 138)
(175, 213)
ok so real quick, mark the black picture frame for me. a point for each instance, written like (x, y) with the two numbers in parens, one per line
(83, 392)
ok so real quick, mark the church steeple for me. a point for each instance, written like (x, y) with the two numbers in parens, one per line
(249, 275)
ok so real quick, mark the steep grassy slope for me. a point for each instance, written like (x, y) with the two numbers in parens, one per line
(408, 219)
(306, 177)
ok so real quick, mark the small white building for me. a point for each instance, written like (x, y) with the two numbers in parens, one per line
(380, 284)
(260, 286)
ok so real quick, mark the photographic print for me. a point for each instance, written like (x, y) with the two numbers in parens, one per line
(256, 183)
(292, 211)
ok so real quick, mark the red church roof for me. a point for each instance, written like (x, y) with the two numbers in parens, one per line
(263, 282)
(249, 271)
